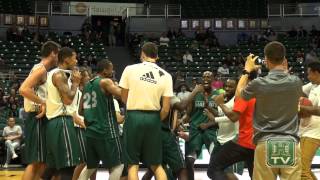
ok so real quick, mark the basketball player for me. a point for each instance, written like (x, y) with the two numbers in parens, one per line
(143, 86)
(202, 131)
(172, 155)
(62, 144)
(34, 92)
(102, 132)
(79, 122)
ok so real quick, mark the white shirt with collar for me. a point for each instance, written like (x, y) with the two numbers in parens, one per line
(312, 126)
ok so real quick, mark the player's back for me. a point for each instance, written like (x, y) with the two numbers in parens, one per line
(145, 81)
(99, 112)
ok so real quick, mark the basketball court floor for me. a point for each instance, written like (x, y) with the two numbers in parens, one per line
(15, 174)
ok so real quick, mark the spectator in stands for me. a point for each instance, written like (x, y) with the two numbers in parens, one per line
(98, 30)
(314, 31)
(179, 78)
(215, 43)
(217, 83)
(183, 91)
(180, 33)
(293, 32)
(35, 38)
(170, 34)
(314, 42)
(299, 57)
(194, 82)
(187, 57)
(86, 66)
(253, 38)
(228, 60)
(194, 45)
(268, 32)
(112, 34)
(311, 56)
(272, 36)
(164, 40)
(12, 134)
(223, 70)
(302, 33)
(177, 56)
(2, 101)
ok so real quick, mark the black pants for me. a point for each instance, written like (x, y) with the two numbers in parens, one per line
(229, 154)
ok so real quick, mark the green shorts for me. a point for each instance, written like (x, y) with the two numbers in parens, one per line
(63, 149)
(82, 143)
(35, 139)
(172, 155)
(142, 138)
(199, 138)
(109, 151)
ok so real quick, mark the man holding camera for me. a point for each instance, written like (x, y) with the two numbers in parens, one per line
(276, 121)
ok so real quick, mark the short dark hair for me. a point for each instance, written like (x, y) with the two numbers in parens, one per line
(275, 52)
(103, 64)
(48, 47)
(64, 53)
(314, 66)
(150, 50)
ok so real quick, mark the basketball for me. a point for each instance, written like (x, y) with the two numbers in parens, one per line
(304, 102)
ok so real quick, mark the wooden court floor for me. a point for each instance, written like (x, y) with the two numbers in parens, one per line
(11, 174)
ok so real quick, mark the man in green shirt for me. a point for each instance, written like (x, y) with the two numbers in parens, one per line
(202, 130)
(102, 132)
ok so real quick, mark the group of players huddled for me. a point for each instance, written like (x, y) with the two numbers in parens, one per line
(74, 120)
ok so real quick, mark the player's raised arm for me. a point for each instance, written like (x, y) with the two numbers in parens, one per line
(109, 87)
(60, 80)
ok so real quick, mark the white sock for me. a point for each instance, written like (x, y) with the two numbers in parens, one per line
(86, 173)
(116, 172)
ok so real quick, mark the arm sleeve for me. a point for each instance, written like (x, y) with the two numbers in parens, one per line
(221, 119)
(19, 130)
(4, 133)
(124, 81)
(250, 90)
(240, 105)
(307, 88)
(168, 91)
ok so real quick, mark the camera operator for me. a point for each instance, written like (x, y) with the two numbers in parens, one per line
(276, 119)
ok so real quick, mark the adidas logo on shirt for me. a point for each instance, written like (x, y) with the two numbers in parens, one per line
(148, 77)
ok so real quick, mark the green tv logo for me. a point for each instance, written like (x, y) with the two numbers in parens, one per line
(281, 152)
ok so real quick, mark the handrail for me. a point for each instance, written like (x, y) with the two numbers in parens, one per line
(296, 9)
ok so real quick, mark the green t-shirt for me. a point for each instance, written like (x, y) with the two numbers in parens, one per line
(99, 111)
(197, 115)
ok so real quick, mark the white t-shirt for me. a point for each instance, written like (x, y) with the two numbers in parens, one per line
(146, 83)
(222, 70)
(186, 58)
(228, 130)
(8, 131)
(164, 41)
(183, 95)
(312, 128)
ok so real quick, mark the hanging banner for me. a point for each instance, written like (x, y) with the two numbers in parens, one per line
(101, 9)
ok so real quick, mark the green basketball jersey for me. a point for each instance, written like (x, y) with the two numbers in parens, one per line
(197, 115)
(99, 111)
